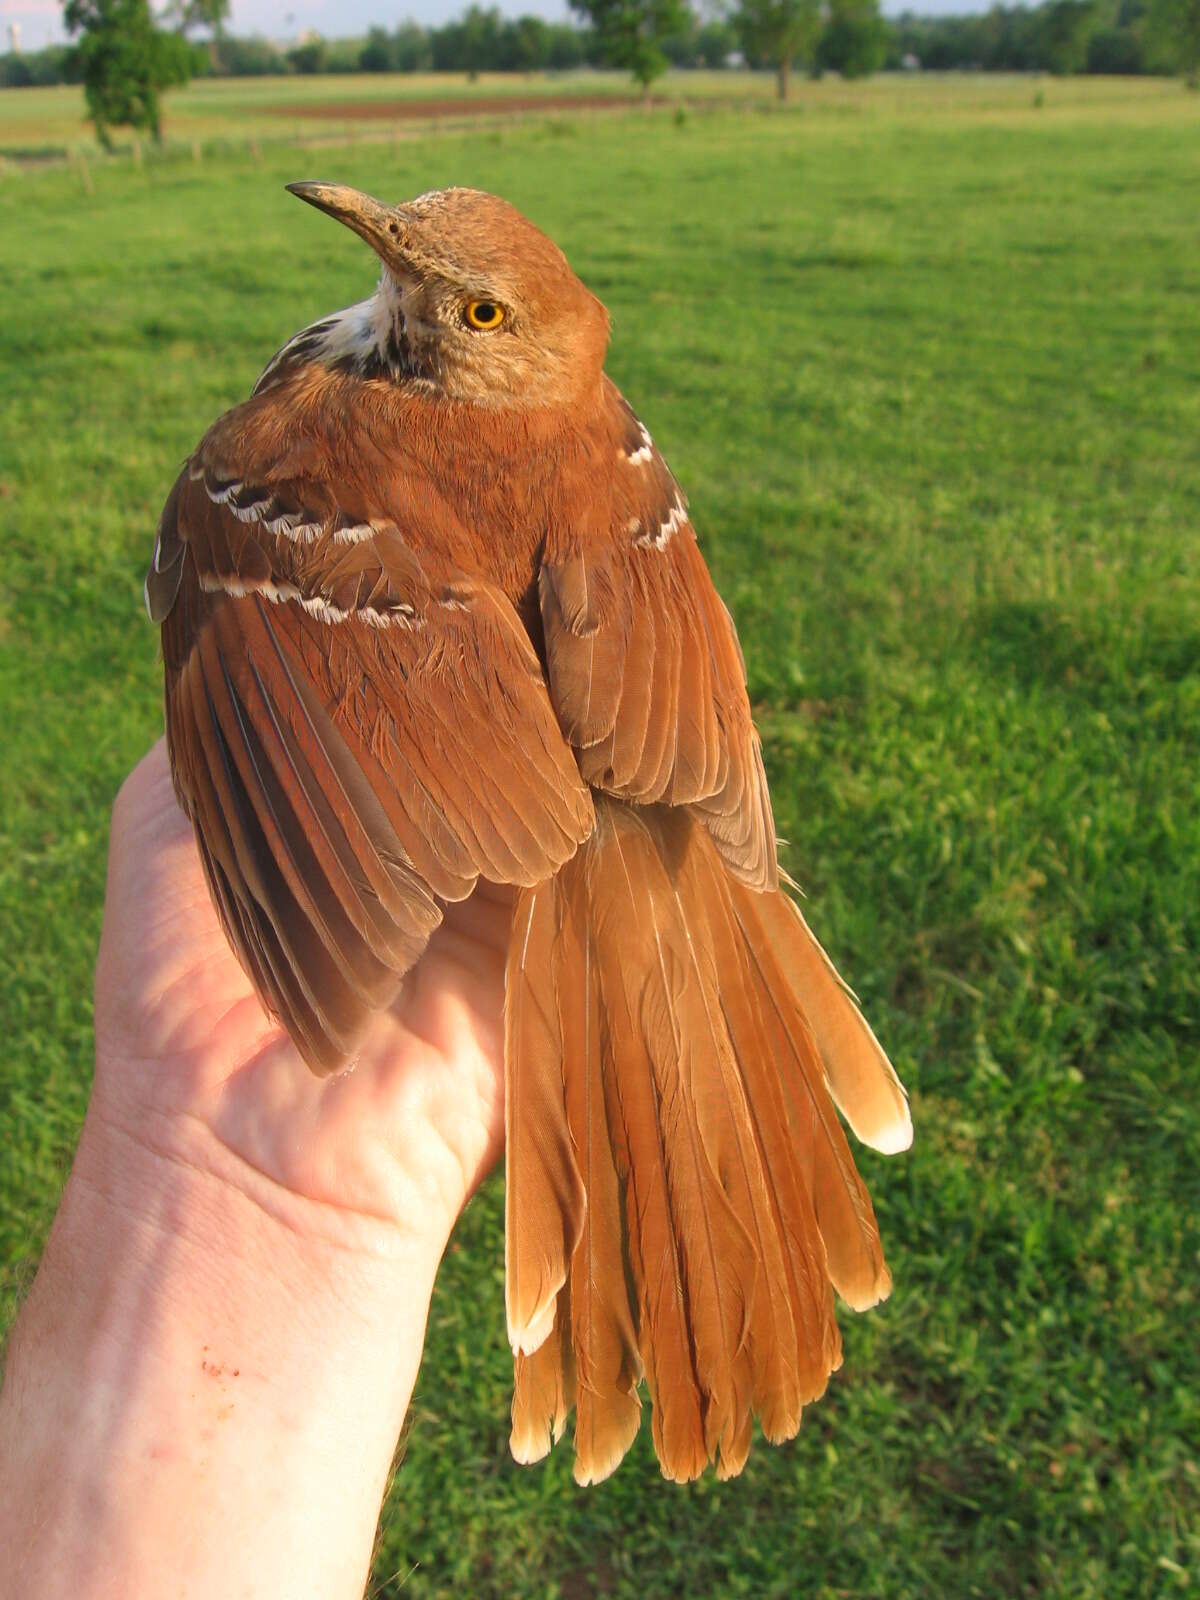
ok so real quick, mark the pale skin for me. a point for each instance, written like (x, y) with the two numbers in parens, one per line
(205, 1387)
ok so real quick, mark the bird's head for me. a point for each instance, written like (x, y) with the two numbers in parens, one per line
(474, 301)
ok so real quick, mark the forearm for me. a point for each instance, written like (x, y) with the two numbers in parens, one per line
(201, 1399)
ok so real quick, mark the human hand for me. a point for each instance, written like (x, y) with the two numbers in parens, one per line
(219, 1350)
(189, 1066)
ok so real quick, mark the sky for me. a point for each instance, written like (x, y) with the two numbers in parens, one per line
(41, 20)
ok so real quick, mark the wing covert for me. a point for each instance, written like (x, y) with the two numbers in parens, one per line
(357, 735)
(643, 661)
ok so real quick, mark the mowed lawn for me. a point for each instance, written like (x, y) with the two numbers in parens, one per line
(933, 387)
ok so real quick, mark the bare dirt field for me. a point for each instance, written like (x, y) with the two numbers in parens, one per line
(474, 106)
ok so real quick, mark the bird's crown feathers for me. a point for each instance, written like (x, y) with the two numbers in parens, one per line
(474, 303)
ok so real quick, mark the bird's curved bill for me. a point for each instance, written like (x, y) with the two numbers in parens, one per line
(383, 227)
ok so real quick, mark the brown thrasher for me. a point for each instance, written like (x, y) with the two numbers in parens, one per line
(432, 610)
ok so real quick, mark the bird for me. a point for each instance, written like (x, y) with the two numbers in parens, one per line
(433, 612)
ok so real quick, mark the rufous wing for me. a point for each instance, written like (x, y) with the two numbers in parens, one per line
(357, 736)
(643, 662)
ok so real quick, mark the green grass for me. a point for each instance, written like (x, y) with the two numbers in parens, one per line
(933, 385)
(215, 113)
(39, 122)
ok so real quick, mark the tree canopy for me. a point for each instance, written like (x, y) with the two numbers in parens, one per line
(631, 33)
(781, 32)
(854, 41)
(1174, 29)
(1065, 36)
(125, 62)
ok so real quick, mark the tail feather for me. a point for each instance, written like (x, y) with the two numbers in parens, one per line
(544, 1197)
(682, 1199)
(799, 1339)
(603, 1325)
(861, 1079)
(543, 1390)
(844, 1211)
(689, 1254)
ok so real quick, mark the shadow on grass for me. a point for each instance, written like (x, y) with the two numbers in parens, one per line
(1037, 643)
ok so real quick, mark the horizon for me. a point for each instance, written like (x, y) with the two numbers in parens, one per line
(40, 21)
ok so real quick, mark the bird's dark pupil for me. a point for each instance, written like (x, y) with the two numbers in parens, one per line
(485, 311)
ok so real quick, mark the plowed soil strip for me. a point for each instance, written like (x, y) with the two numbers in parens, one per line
(479, 106)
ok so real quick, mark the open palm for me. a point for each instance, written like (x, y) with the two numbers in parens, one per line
(189, 1064)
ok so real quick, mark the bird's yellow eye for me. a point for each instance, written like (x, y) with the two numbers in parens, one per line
(483, 315)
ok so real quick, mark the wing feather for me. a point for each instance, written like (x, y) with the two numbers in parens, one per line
(355, 738)
(643, 663)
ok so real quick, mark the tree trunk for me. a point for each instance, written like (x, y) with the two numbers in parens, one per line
(783, 76)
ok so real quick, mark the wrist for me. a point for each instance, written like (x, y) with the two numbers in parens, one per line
(182, 1237)
(164, 1145)
(191, 1359)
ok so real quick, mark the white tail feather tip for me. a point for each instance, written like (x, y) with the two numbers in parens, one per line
(537, 1330)
(895, 1137)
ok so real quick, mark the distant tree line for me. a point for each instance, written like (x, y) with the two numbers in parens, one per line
(123, 40)
(1119, 38)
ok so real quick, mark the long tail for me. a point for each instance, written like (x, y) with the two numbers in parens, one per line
(681, 1200)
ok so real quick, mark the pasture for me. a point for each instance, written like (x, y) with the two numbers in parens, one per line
(926, 358)
(219, 116)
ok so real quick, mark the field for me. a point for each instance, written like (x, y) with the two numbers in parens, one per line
(927, 359)
(220, 116)
(39, 122)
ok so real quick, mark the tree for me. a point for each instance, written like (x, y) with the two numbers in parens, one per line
(1066, 25)
(470, 45)
(1173, 31)
(631, 33)
(566, 47)
(524, 45)
(310, 56)
(210, 14)
(251, 58)
(855, 39)
(716, 41)
(1114, 52)
(782, 32)
(377, 52)
(125, 62)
